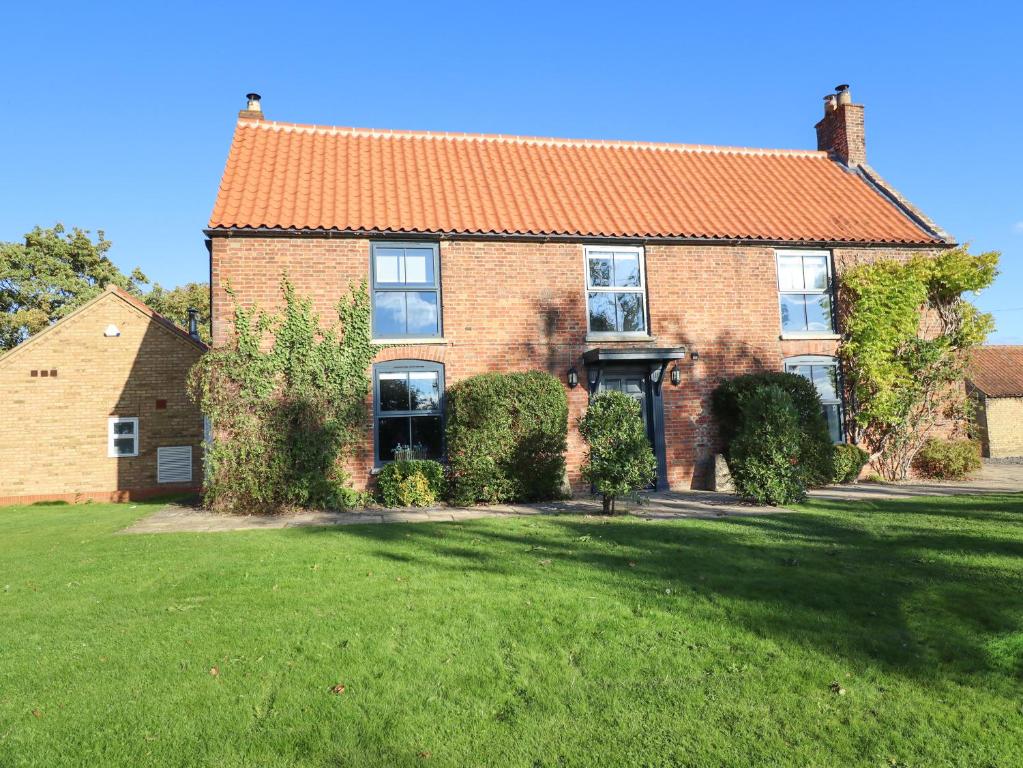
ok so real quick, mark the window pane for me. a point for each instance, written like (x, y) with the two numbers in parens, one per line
(630, 312)
(825, 379)
(388, 265)
(394, 392)
(834, 424)
(426, 432)
(600, 271)
(388, 314)
(422, 313)
(390, 434)
(602, 312)
(124, 427)
(815, 271)
(419, 266)
(818, 313)
(124, 446)
(793, 312)
(790, 273)
(425, 391)
(627, 270)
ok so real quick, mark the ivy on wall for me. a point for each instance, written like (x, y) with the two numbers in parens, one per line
(908, 329)
(286, 399)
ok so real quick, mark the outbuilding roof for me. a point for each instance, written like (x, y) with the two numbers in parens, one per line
(997, 370)
(285, 176)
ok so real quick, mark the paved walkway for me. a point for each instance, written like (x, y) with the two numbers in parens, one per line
(665, 505)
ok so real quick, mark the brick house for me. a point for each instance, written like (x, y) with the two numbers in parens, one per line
(95, 407)
(656, 269)
(995, 382)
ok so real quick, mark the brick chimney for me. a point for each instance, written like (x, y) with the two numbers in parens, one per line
(841, 130)
(253, 110)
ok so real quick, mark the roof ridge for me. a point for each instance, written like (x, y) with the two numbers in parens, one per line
(332, 130)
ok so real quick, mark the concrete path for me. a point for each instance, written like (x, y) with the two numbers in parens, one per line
(664, 505)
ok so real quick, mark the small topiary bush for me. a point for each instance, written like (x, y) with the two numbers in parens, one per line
(412, 483)
(619, 460)
(947, 459)
(506, 437)
(849, 460)
(816, 451)
(764, 455)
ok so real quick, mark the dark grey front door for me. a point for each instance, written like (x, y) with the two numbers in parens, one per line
(635, 384)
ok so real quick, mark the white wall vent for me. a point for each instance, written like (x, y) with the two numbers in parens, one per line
(174, 464)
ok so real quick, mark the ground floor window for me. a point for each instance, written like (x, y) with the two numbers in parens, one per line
(122, 436)
(408, 410)
(823, 372)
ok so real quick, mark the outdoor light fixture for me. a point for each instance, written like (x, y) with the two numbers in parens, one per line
(676, 376)
(111, 331)
(593, 376)
(573, 377)
(695, 355)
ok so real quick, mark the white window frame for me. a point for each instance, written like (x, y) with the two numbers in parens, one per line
(111, 450)
(590, 250)
(801, 252)
(822, 361)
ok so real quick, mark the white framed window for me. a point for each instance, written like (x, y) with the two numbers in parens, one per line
(822, 371)
(804, 292)
(122, 436)
(615, 290)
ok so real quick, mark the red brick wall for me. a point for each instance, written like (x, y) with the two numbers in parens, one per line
(514, 305)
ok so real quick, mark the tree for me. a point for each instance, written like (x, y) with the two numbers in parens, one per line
(174, 304)
(908, 332)
(50, 275)
(764, 457)
(619, 459)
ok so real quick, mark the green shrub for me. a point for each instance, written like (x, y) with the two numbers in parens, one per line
(619, 459)
(816, 451)
(764, 456)
(412, 483)
(506, 437)
(947, 459)
(849, 460)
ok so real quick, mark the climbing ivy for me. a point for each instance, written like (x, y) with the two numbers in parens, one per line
(908, 329)
(286, 399)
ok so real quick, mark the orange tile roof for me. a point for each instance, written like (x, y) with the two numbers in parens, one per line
(287, 176)
(997, 370)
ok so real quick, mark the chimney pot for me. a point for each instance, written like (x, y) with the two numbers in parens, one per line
(844, 96)
(253, 108)
(840, 132)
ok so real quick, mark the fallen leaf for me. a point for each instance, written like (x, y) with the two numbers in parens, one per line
(37, 713)
(424, 755)
(632, 564)
(545, 562)
(837, 689)
(214, 671)
(338, 689)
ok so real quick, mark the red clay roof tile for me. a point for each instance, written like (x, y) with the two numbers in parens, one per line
(997, 370)
(287, 176)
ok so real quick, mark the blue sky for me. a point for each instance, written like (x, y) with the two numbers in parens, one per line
(118, 116)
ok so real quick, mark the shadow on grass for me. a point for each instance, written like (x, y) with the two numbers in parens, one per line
(930, 587)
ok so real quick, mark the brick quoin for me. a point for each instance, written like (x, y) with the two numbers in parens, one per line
(517, 305)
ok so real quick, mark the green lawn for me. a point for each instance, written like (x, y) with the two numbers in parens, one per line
(555, 641)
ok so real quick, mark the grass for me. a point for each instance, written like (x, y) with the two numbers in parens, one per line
(868, 633)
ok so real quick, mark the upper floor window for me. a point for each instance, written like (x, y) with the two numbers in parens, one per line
(408, 409)
(804, 286)
(823, 373)
(615, 290)
(122, 436)
(406, 290)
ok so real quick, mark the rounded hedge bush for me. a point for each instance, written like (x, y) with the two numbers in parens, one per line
(411, 483)
(506, 437)
(816, 451)
(947, 459)
(764, 455)
(849, 461)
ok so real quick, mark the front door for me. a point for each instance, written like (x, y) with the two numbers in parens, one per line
(635, 384)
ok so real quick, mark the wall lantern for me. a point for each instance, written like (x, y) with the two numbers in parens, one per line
(593, 376)
(695, 355)
(573, 377)
(676, 376)
(111, 331)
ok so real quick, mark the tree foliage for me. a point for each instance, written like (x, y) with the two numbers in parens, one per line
(908, 329)
(52, 273)
(285, 413)
(764, 456)
(619, 460)
(174, 303)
